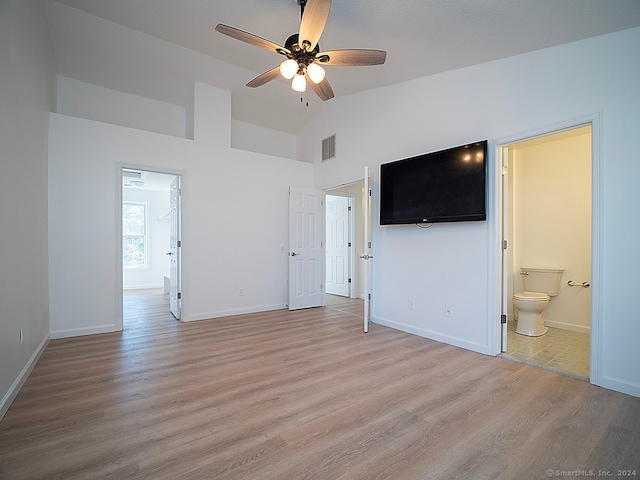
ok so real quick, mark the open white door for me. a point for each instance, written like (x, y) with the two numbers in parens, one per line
(338, 245)
(306, 255)
(175, 247)
(505, 256)
(366, 256)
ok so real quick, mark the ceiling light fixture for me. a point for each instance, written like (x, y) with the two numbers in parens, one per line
(305, 60)
(289, 68)
(299, 83)
(316, 72)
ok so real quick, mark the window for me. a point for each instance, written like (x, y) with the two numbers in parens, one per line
(134, 235)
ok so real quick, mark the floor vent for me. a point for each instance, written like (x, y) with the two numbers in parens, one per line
(329, 148)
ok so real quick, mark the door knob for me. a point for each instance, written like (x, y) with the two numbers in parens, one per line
(168, 253)
(293, 254)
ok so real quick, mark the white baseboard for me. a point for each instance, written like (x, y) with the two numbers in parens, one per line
(142, 287)
(619, 386)
(232, 312)
(80, 332)
(561, 325)
(10, 396)
(567, 326)
(456, 342)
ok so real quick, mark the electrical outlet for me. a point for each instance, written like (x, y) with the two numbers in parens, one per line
(448, 311)
(241, 292)
(412, 304)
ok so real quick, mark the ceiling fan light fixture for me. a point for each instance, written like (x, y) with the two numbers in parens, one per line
(304, 57)
(316, 72)
(289, 68)
(299, 83)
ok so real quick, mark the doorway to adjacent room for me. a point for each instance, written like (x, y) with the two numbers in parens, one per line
(547, 223)
(151, 229)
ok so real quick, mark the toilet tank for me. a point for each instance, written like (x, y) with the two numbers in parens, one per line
(542, 280)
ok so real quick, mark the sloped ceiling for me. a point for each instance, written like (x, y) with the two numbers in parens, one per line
(157, 48)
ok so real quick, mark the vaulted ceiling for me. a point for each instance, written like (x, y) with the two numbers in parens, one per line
(157, 48)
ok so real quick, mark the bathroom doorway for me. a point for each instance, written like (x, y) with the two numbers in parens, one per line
(547, 223)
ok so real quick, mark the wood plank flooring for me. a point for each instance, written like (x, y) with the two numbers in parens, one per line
(302, 395)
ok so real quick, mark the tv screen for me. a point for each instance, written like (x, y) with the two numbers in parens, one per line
(444, 186)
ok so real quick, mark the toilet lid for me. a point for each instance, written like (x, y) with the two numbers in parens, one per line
(532, 296)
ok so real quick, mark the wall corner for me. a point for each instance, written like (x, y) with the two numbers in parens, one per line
(211, 115)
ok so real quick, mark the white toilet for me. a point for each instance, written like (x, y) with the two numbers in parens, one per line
(540, 284)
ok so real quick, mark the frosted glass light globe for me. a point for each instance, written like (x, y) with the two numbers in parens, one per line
(299, 83)
(289, 68)
(316, 72)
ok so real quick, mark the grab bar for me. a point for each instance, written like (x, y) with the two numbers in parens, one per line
(571, 283)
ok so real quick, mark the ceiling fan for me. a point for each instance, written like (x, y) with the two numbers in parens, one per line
(304, 58)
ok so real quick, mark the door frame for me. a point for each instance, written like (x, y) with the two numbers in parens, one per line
(597, 209)
(119, 304)
(355, 275)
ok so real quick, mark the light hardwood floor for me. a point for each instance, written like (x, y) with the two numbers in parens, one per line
(288, 395)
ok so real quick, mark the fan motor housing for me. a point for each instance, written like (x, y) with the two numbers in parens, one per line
(298, 53)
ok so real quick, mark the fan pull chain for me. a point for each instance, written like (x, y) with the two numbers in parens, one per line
(304, 98)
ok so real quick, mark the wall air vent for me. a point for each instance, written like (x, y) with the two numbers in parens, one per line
(132, 174)
(131, 178)
(329, 148)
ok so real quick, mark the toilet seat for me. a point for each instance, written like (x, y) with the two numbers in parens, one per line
(531, 296)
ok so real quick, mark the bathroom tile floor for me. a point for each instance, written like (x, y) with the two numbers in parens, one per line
(562, 351)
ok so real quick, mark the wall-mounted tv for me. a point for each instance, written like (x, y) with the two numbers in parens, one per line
(444, 186)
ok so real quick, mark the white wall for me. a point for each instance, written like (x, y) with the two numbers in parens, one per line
(552, 220)
(253, 138)
(158, 233)
(452, 264)
(26, 83)
(84, 100)
(235, 218)
(92, 102)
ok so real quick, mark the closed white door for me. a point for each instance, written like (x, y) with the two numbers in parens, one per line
(338, 245)
(175, 247)
(305, 248)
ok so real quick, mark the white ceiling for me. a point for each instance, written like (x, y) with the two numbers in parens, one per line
(157, 48)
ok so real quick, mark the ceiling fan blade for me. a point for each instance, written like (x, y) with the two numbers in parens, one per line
(250, 38)
(265, 77)
(322, 89)
(354, 57)
(314, 18)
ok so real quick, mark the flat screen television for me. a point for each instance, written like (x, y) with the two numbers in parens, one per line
(444, 186)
